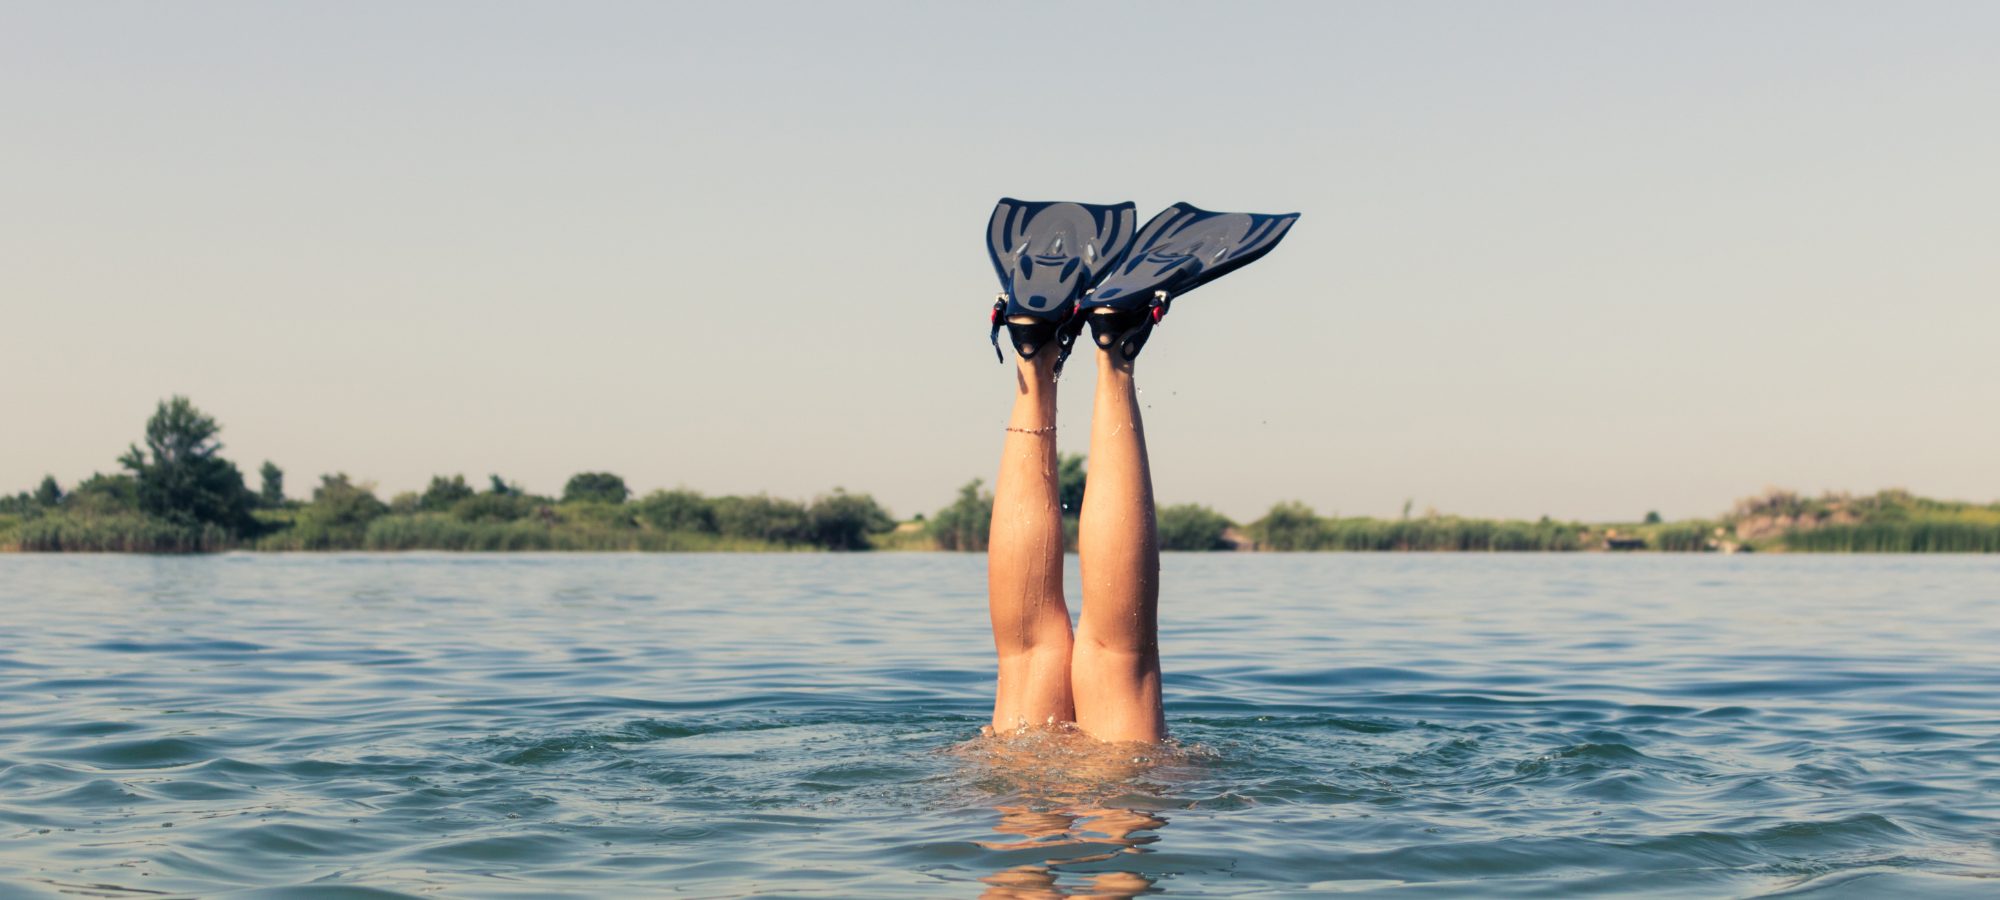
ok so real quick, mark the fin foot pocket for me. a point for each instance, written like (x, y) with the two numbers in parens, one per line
(1124, 331)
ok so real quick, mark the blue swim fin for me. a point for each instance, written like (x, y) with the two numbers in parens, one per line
(1047, 255)
(1180, 249)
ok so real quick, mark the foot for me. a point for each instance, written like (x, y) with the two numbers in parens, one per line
(1122, 333)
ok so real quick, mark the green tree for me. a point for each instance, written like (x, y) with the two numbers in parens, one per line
(1191, 526)
(273, 493)
(181, 474)
(966, 523)
(1292, 526)
(762, 518)
(491, 507)
(677, 510)
(501, 487)
(1653, 517)
(338, 516)
(843, 521)
(444, 493)
(598, 487)
(1070, 477)
(104, 495)
(48, 494)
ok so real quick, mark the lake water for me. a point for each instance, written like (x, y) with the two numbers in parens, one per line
(722, 725)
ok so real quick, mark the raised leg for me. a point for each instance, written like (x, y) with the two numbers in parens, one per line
(1024, 562)
(1115, 671)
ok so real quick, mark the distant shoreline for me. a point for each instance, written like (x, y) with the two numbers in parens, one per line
(345, 517)
(177, 494)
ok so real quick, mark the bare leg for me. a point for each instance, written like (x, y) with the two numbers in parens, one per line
(1024, 562)
(1115, 673)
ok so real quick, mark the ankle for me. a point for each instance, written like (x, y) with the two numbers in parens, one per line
(1041, 367)
(1035, 381)
(1112, 362)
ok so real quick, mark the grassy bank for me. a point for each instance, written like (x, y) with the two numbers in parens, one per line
(177, 494)
(1293, 527)
(1938, 536)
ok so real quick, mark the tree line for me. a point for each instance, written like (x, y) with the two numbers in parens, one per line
(175, 492)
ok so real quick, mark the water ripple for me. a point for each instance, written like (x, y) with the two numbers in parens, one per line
(399, 726)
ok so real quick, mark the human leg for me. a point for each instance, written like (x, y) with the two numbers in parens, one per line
(1024, 561)
(1115, 668)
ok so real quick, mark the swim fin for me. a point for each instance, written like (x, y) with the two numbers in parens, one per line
(1047, 255)
(1180, 249)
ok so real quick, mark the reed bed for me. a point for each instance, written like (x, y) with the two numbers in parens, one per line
(1916, 536)
(118, 534)
(1294, 528)
(1682, 537)
(443, 532)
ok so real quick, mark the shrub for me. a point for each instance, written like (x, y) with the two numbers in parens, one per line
(336, 519)
(678, 510)
(492, 507)
(965, 524)
(762, 518)
(599, 487)
(843, 521)
(1288, 526)
(104, 495)
(1071, 479)
(1191, 526)
(597, 515)
(444, 493)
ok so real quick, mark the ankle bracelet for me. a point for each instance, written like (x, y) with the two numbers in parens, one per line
(1045, 429)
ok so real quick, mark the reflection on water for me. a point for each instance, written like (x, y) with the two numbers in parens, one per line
(1058, 786)
(1071, 837)
(722, 726)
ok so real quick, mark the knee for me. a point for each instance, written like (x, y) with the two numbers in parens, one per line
(1136, 646)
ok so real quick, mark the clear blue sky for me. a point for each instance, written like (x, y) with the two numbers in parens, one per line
(1581, 259)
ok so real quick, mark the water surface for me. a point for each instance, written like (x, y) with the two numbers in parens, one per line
(720, 725)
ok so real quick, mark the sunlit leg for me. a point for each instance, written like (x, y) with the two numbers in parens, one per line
(1115, 671)
(1024, 562)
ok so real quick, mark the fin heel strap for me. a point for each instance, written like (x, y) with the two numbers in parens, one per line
(1127, 330)
(999, 310)
(1031, 339)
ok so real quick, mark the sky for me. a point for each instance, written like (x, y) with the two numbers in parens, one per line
(1579, 259)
